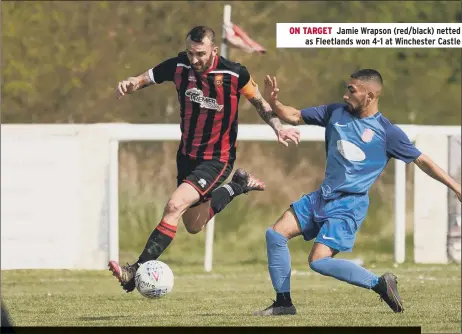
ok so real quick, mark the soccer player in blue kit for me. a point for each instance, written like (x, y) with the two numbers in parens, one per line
(359, 143)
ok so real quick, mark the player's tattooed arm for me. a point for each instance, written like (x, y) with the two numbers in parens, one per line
(265, 112)
(132, 84)
(141, 81)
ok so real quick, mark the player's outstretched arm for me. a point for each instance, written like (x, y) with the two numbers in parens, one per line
(288, 114)
(132, 84)
(429, 167)
(266, 113)
(249, 89)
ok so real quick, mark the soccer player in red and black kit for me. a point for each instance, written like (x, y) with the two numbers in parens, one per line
(208, 87)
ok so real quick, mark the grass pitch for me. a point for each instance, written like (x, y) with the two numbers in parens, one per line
(228, 296)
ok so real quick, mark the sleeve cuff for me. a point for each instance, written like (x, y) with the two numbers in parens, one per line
(151, 75)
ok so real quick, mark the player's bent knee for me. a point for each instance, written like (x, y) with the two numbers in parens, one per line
(175, 206)
(287, 225)
(320, 251)
(314, 264)
(273, 237)
(317, 256)
(312, 258)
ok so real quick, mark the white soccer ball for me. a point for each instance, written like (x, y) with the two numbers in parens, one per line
(154, 279)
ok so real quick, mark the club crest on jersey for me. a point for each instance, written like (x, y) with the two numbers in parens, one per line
(192, 78)
(196, 95)
(367, 135)
(218, 80)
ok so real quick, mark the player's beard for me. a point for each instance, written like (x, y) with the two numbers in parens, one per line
(206, 66)
(209, 63)
(358, 109)
(353, 110)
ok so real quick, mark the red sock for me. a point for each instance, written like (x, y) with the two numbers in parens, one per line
(167, 229)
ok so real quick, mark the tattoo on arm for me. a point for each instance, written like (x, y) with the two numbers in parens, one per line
(143, 81)
(265, 112)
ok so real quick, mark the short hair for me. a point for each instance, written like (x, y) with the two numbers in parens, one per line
(367, 75)
(198, 33)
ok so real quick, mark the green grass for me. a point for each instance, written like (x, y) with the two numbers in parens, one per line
(228, 296)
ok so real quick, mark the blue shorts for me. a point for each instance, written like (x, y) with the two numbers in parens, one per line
(333, 223)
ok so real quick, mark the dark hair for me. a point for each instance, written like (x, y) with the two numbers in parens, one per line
(367, 75)
(198, 33)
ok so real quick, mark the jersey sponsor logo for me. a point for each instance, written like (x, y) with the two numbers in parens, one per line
(350, 151)
(367, 135)
(192, 78)
(197, 96)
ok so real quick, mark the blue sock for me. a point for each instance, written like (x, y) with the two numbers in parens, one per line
(278, 261)
(346, 271)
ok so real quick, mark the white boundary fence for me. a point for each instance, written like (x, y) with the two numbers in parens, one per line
(93, 160)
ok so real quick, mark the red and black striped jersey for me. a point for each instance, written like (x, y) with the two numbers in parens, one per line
(208, 104)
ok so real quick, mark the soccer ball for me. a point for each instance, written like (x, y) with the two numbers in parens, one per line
(154, 279)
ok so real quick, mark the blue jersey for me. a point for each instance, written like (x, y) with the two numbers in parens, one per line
(357, 149)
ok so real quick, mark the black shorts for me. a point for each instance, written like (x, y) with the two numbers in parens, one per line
(204, 175)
